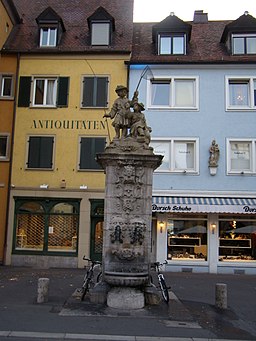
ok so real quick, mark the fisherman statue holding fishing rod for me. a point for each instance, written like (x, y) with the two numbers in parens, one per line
(120, 111)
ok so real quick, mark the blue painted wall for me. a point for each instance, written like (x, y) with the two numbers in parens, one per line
(211, 121)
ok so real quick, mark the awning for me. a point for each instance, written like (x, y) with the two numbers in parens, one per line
(203, 205)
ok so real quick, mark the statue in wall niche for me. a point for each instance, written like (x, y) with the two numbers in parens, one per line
(120, 111)
(214, 154)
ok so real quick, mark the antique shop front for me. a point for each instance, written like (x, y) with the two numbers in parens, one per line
(203, 234)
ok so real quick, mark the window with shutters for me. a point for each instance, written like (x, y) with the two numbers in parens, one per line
(6, 86)
(95, 92)
(4, 146)
(47, 92)
(89, 147)
(40, 152)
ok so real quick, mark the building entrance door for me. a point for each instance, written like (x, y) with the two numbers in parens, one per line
(97, 220)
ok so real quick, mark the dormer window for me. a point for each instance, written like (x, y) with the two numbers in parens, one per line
(100, 33)
(48, 37)
(50, 27)
(244, 43)
(171, 43)
(239, 36)
(171, 36)
(101, 27)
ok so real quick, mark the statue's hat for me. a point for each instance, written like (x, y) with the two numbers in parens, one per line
(121, 87)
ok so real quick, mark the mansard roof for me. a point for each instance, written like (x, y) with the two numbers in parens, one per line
(205, 46)
(74, 15)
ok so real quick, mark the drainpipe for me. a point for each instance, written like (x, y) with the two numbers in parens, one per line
(11, 157)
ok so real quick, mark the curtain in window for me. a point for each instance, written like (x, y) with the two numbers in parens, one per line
(240, 156)
(184, 93)
(100, 33)
(184, 155)
(50, 96)
(239, 93)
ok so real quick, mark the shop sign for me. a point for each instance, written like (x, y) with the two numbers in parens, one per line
(69, 124)
(179, 208)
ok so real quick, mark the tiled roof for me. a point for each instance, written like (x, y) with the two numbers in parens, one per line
(204, 46)
(74, 14)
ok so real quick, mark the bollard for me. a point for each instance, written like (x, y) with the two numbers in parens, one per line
(221, 296)
(43, 290)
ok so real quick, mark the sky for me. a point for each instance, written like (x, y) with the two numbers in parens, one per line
(158, 10)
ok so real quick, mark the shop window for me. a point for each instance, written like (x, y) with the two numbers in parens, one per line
(95, 92)
(6, 86)
(237, 239)
(176, 93)
(89, 147)
(4, 147)
(187, 239)
(241, 93)
(180, 155)
(46, 226)
(40, 152)
(241, 156)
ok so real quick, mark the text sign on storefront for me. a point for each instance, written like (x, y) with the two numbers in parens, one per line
(68, 124)
(176, 208)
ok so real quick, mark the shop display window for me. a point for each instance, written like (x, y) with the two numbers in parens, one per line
(237, 240)
(187, 239)
(46, 226)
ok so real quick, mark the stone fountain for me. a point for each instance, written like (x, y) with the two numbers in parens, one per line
(129, 163)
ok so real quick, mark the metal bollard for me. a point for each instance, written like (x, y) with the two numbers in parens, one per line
(221, 296)
(43, 290)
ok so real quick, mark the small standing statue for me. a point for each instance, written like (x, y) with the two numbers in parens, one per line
(214, 154)
(121, 110)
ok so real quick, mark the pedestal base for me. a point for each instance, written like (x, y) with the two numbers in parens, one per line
(125, 298)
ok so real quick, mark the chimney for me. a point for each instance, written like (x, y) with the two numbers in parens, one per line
(200, 17)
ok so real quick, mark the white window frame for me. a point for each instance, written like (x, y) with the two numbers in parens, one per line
(2, 81)
(252, 87)
(171, 81)
(171, 37)
(6, 157)
(102, 39)
(166, 146)
(46, 80)
(244, 36)
(49, 30)
(252, 150)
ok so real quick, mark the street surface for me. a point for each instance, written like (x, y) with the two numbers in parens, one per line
(190, 315)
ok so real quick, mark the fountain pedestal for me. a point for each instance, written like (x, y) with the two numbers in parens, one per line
(129, 166)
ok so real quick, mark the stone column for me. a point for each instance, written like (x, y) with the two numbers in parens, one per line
(129, 167)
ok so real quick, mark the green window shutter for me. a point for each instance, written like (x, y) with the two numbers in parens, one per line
(95, 92)
(88, 150)
(101, 96)
(40, 154)
(24, 92)
(63, 88)
(88, 90)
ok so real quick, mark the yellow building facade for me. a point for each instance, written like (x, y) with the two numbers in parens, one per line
(66, 125)
(70, 60)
